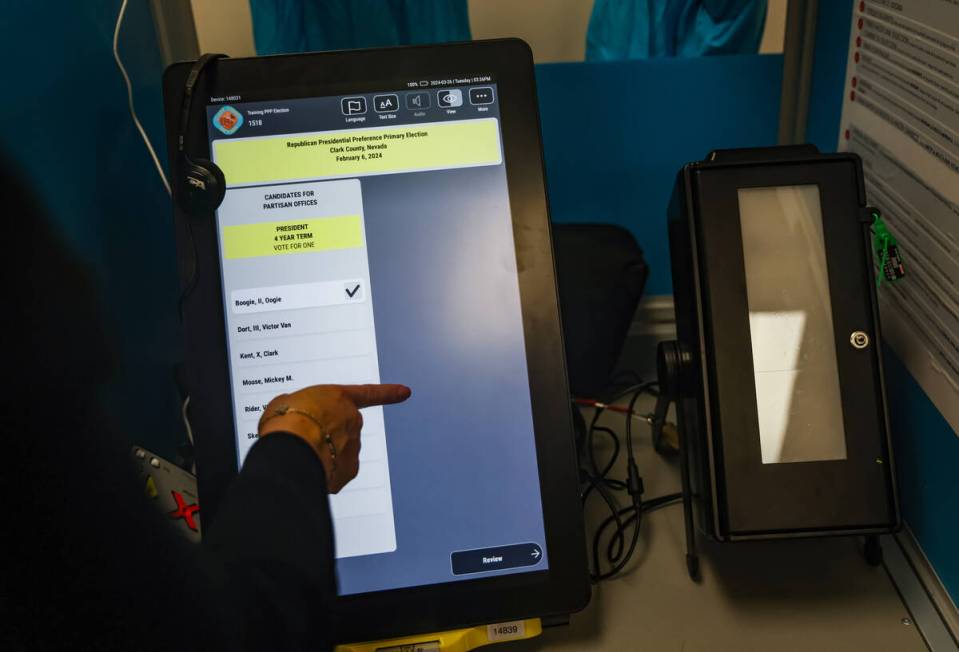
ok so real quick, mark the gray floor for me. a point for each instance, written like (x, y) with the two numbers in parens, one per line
(814, 594)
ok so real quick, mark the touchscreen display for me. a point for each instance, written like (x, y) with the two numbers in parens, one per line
(367, 237)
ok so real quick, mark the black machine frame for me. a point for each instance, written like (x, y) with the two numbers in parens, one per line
(564, 587)
(708, 371)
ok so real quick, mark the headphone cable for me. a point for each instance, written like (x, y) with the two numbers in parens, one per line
(184, 407)
(133, 112)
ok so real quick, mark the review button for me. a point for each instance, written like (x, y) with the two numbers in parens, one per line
(482, 560)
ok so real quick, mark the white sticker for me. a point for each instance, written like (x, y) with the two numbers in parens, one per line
(506, 631)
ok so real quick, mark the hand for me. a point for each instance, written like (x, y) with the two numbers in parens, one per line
(328, 418)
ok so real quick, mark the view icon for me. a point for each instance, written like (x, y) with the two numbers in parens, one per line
(450, 98)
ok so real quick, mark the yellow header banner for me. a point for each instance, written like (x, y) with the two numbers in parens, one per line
(359, 152)
(292, 237)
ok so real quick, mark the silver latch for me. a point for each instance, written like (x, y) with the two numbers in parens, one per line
(859, 340)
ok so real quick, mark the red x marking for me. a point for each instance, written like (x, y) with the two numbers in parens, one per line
(184, 511)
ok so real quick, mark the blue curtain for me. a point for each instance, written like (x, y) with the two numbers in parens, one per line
(311, 25)
(644, 29)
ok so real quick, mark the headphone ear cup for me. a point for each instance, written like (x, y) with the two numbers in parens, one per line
(200, 186)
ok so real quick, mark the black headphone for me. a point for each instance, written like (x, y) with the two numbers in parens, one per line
(199, 184)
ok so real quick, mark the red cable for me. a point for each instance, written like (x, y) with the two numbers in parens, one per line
(590, 402)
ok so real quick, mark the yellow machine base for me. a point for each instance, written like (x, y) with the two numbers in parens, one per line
(457, 640)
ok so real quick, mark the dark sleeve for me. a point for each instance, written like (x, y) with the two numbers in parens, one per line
(273, 537)
(91, 564)
(88, 563)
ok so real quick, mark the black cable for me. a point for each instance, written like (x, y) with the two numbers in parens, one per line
(634, 487)
(653, 504)
(648, 506)
(191, 282)
(636, 389)
(647, 387)
(633, 518)
(612, 483)
(617, 557)
(615, 516)
(601, 474)
(618, 551)
(629, 425)
(626, 373)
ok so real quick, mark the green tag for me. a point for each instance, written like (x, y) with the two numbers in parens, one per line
(886, 247)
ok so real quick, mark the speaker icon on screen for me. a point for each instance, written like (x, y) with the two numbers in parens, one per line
(416, 101)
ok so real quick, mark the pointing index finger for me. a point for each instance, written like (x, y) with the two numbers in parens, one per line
(369, 395)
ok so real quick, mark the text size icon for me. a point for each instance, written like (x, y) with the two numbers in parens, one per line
(384, 103)
(353, 105)
(449, 98)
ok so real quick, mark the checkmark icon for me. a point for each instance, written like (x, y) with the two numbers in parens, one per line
(352, 293)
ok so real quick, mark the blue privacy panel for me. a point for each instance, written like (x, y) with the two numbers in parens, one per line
(829, 73)
(69, 136)
(927, 449)
(616, 133)
(927, 456)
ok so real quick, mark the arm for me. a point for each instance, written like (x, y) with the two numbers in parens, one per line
(273, 534)
(274, 540)
(93, 566)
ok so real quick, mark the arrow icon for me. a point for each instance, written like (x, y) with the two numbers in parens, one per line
(535, 554)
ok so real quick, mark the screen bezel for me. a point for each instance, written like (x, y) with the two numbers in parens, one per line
(564, 587)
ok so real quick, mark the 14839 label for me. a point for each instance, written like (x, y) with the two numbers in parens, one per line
(506, 631)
